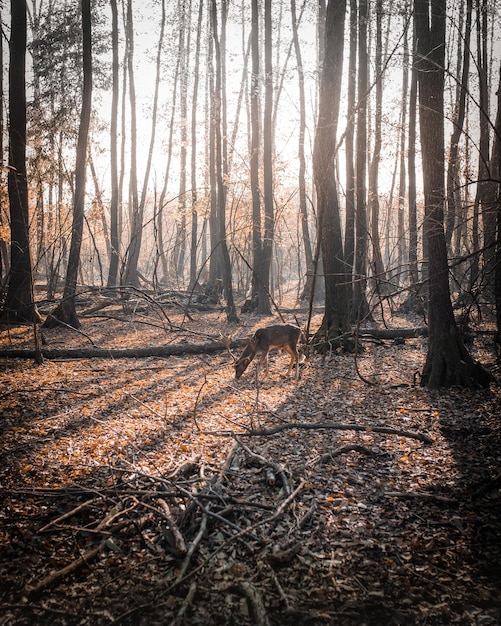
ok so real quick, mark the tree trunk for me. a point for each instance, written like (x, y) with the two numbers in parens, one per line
(303, 211)
(259, 294)
(349, 237)
(114, 232)
(336, 317)
(231, 313)
(194, 193)
(19, 305)
(496, 175)
(263, 307)
(453, 184)
(403, 250)
(485, 186)
(4, 253)
(66, 311)
(447, 362)
(184, 46)
(360, 307)
(378, 268)
(136, 217)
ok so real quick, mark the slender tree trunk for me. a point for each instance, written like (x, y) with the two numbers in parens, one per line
(303, 210)
(453, 184)
(231, 313)
(403, 249)
(159, 213)
(485, 187)
(360, 307)
(496, 175)
(136, 227)
(184, 46)
(4, 254)
(114, 232)
(349, 140)
(269, 219)
(258, 280)
(194, 193)
(66, 311)
(379, 273)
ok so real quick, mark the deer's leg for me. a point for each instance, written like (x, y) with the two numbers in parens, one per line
(290, 352)
(266, 364)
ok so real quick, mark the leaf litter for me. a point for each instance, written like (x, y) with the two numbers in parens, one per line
(162, 491)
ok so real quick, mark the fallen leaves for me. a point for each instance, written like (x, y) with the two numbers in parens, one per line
(112, 471)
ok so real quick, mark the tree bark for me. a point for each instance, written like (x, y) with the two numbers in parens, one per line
(231, 313)
(114, 232)
(360, 307)
(447, 362)
(66, 311)
(19, 305)
(269, 218)
(377, 259)
(131, 276)
(193, 162)
(303, 210)
(336, 317)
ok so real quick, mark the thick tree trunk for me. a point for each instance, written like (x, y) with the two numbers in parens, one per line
(19, 305)
(336, 318)
(448, 362)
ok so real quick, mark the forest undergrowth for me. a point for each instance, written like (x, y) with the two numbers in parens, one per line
(163, 491)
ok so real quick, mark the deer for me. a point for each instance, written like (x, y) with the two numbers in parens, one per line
(278, 336)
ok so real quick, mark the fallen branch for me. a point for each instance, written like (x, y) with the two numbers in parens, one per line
(337, 426)
(51, 579)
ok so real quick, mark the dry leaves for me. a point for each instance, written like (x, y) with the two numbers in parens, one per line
(126, 497)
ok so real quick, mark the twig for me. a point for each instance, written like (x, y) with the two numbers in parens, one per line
(184, 607)
(224, 545)
(180, 542)
(276, 467)
(192, 548)
(74, 511)
(255, 601)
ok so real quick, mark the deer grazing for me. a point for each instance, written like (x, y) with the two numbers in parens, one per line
(278, 336)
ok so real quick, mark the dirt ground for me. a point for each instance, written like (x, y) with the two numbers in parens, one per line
(163, 491)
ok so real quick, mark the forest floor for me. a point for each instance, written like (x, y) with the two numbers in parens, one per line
(163, 491)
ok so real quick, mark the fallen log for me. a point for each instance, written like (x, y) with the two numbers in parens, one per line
(176, 349)
(173, 349)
